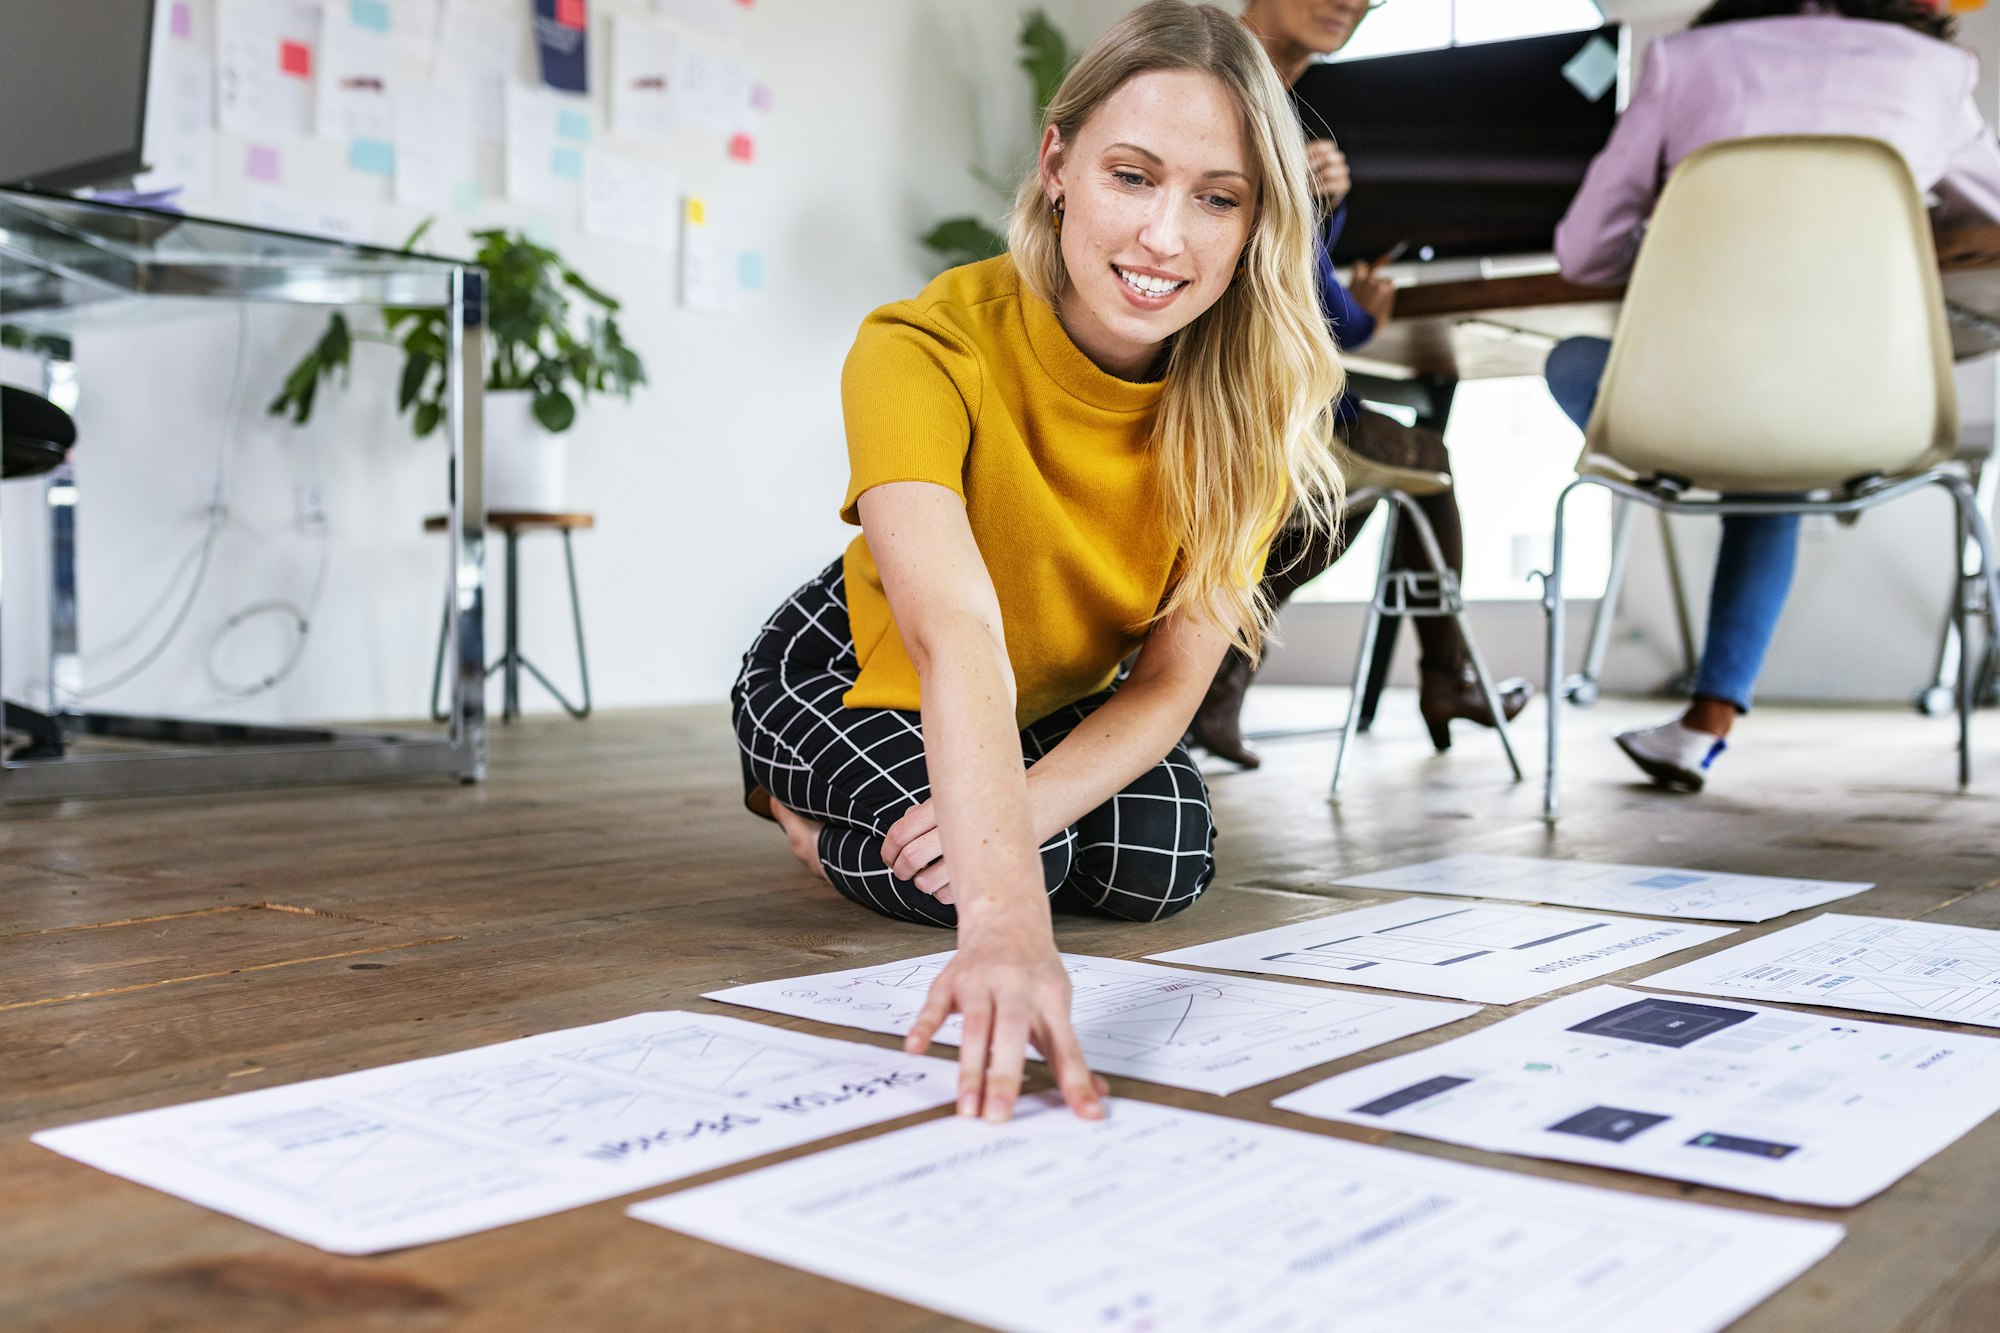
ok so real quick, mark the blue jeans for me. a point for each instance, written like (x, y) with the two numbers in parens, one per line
(1753, 567)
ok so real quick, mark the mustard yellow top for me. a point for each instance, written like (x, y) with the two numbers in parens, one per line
(975, 386)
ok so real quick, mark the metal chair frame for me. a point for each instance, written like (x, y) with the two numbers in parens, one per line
(1974, 593)
(1412, 593)
(512, 660)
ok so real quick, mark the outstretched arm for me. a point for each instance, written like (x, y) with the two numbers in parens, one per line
(1006, 980)
(1104, 754)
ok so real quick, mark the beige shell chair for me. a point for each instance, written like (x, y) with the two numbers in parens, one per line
(1408, 593)
(1782, 349)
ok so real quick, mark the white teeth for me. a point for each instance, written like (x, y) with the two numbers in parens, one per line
(1147, 286)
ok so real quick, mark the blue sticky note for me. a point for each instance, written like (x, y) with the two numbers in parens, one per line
(377, 157)
(574, 125)
(750, 271)
(370, 14)
(567, 163)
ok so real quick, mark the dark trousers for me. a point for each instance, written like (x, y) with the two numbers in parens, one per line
(1146, 853)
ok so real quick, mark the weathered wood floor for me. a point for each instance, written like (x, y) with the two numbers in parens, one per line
(159, 951)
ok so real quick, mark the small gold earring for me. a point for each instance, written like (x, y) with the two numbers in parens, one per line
(1056, 216)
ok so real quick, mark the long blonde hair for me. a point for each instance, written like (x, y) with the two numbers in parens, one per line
(1244, 432)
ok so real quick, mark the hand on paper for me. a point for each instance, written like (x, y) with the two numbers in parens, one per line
(1009, 984)
(1330, 178)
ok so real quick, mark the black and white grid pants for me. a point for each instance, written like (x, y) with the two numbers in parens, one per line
(1146, 853)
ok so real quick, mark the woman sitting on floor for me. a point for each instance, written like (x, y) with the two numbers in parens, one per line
(1883, 69)
(1062, 456)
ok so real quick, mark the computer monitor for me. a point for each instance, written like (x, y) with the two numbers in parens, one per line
(73, 90)
(1468, 151)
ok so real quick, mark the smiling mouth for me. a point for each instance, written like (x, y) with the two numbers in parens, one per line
(1148, 286)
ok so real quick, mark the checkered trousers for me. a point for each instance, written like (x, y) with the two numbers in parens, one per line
(1146, 853)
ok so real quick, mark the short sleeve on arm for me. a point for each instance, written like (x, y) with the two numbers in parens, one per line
(909, 394)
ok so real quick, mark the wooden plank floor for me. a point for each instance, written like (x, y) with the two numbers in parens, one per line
(159, 951)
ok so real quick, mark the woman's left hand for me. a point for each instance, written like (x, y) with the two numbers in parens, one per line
(914, 851)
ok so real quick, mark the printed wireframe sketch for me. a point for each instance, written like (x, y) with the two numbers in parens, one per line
(1642, 890)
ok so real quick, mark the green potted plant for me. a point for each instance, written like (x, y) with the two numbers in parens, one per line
(546, 349)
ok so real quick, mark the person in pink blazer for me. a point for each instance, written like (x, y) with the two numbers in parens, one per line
(1884, 69)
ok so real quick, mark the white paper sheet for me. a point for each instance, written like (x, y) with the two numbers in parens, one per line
(1917, 968)
(264, 56)
(433, 157)
(414, 28)
(724, 18)
(446, 1146)
(1173, 1221)
(180, 126)
(710, 90)
(481, 46)
(1645, 890)
(628, 200)
(548, 137)
(642, 64)
(709, 259)
(355, 81)
(1499, 955)
(271, 206)
(1163, 1024)
(1767, 1101)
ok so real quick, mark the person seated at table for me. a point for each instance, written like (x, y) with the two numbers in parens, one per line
(1062, 457)
(1883, 69)
(1294, 33)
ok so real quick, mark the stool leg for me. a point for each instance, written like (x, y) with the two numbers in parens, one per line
(576, 619)
(510, 676)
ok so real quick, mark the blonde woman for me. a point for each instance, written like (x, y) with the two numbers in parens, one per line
(1060, 458)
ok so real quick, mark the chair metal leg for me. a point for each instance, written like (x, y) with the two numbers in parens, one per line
(1582, 688)
(1683, 621)
(438, 714)
(1370, 627)
(1552, 612)
(510, 670)
(1977, 593)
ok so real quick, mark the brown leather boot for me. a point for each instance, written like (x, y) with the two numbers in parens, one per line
(1445, 695)
(1218, 726)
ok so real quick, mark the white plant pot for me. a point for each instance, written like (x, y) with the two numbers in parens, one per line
(525, 465)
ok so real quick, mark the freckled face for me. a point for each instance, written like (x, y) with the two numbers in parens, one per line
(1159, 191)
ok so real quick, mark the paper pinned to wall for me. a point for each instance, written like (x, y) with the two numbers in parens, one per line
(627, 200)
(271, 207)
(482, 47)
(547, 135)
(709, 90)
(263, 67)
(180, 120)
(355, 80)
(642, 63)
(414, 29)
(433, 128)
(708, 259)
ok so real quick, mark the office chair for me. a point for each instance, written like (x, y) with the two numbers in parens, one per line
(35, 437)
(1782, 349)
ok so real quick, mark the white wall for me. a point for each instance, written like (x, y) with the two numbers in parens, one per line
(714, 489)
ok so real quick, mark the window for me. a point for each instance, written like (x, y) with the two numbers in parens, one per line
(1425, 25)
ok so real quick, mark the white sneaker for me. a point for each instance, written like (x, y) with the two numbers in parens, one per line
(1673, 755)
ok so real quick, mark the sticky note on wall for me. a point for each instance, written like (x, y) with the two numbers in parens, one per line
(295, 59)
(260, 163)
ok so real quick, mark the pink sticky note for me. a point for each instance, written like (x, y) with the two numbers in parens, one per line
(261, 164)
(742, 148)
(296, 59)
(181, 24)
(760, 97)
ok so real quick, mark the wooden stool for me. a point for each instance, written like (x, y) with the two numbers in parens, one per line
(512, 523)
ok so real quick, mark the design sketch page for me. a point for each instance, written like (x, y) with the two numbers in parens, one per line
(1158, 1220)
(1767, 1101)
(446, 1146)
(1163, 1024)
(1645, 890)
(1859, 962)
(1496, 954)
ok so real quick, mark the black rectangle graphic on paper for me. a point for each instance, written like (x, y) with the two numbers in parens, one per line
(1749, 1147)
(1660, 1022)
(1611, 1123)
(1410, 1096)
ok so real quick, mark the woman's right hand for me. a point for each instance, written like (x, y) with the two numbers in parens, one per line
(1009, 984)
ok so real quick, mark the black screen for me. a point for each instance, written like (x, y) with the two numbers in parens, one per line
(72, 90)
(1475, 150)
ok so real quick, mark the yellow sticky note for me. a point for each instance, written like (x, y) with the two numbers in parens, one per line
(697, 212)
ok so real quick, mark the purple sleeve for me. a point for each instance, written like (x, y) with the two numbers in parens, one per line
(1598, 238)
(1969, 191)
(1350, 324)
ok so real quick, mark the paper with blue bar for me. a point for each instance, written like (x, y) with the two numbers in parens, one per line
(1703, 895)
(1464, 951)
(1790, 1105)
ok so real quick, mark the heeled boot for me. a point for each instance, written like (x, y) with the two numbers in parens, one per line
(1446, 695)
(1218, 726)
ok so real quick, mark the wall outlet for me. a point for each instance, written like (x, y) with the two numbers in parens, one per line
(310, 506)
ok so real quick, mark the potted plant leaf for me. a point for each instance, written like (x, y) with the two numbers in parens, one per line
(552, 339)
